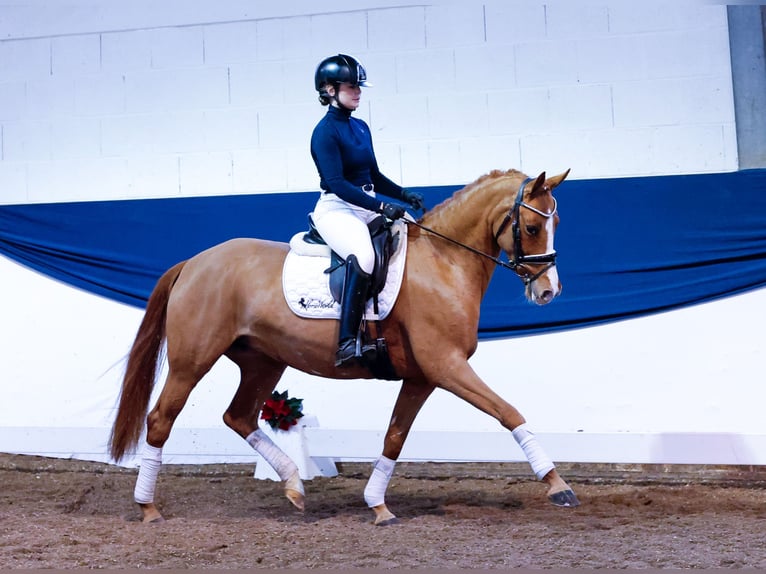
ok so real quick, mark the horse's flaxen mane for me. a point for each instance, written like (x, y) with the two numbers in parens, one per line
(460, 197)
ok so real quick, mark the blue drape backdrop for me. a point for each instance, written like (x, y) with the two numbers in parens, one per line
(627, 247)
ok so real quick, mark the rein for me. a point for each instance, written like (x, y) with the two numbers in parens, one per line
(519, 259)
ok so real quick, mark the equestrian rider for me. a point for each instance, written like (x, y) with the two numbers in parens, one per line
(341, 147)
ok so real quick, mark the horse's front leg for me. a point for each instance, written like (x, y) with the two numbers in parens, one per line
(412, 395)
(461, 380)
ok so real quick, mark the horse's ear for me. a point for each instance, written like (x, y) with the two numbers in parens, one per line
(539, 186)
(556, 179)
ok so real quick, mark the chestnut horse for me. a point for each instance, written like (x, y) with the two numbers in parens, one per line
(228, 301)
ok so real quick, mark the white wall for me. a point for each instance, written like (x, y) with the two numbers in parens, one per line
(100, 100)
(121, 100)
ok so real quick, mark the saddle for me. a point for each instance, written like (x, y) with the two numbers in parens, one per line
(385, 242)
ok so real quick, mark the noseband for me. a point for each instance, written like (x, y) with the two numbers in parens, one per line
(519, 259)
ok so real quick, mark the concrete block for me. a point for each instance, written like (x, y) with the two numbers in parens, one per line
(520, 111)
(690, 148)
(76, 55)
(259, 84)
(576, 20)
(276, 128)
(457, 116)
(298, 78)
(205, 174)
(381, 71)
(389, 159)
(490, 67)
(687, 53)
(426, 71)
(301, 171)
(513, 22)
(178, 132)
(339, 32)
(127, 51)
(546, 63)
(177, 47)
(284, 38)
(232, 42)
(102, 94)
(398, 29)
(415, 163)
(230, 128)
(672, 102)
(444, 162)
(178, 89)
(483, 154)
(259, 170)
(27, 140)
(612, 59)
(654, 16)
(580, 107)
(554, 153)
(399, 118)
(50, 96)
(73, 137)
(127, 135)
(152, 175)
(78, 180)
(25, 59)
(13, 182)
(13, 100)
(615, 152)
(454, 24)
(295, 31)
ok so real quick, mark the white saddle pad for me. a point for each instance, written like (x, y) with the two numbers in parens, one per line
(307, 287)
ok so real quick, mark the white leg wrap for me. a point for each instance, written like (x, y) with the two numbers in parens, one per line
(275, 456)
(541, 464)
(151, 461)
(375, 491)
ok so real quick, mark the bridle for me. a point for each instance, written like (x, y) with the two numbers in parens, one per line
(518, 260)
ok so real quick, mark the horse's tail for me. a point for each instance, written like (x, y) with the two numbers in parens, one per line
(141, 371)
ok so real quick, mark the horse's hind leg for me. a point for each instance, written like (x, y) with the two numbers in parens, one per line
(259, 375)
(412, 396)
(159, 423)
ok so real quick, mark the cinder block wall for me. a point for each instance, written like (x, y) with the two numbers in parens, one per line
(106, 101)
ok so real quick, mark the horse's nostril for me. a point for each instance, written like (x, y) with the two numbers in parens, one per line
(546, 296)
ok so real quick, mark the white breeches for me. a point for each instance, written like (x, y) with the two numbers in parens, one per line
(344, 227)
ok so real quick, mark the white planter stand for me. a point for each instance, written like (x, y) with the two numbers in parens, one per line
(293, 443)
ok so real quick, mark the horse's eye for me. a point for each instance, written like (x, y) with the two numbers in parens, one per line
(533, 229)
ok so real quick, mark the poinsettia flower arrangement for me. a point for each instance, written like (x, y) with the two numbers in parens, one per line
(282, 411)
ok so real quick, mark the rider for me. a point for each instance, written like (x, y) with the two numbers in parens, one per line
(341, 147)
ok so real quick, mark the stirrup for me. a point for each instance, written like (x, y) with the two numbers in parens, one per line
(346, 352)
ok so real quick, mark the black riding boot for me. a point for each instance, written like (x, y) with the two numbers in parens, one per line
(353, 299)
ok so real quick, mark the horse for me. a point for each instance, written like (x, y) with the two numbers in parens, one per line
(228, 301)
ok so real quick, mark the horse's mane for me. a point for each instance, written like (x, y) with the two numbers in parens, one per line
(461, 196)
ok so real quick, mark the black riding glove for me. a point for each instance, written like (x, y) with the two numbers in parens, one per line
(414, 198)
(391, 210)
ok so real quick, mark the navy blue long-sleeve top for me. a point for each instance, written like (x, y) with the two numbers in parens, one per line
(341, 147)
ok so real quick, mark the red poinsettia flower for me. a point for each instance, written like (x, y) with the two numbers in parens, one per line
(282, 412)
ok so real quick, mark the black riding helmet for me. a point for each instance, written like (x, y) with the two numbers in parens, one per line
(340, 69)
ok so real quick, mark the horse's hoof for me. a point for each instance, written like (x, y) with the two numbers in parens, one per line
(297, 498)
(388, 521)
(564, 498)
(383, 516)
(150, 514)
